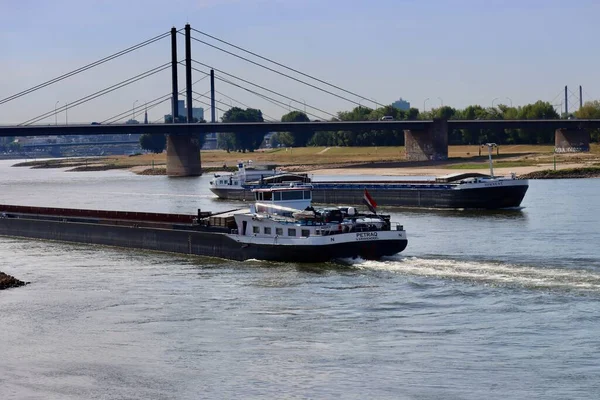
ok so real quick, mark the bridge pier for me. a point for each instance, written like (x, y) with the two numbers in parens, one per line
(183, 155)
(430, 144)
(571, 140)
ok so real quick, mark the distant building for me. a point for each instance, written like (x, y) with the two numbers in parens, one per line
(197, 112)
(401, 104)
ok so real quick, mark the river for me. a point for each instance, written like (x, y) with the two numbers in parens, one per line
(494, 305)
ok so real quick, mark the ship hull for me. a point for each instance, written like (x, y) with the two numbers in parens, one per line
(185, 240)
(507, 194)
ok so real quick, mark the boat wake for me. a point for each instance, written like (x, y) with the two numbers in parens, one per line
(488, 272)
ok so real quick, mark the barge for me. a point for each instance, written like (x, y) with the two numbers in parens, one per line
(281, 225)
(457, 191)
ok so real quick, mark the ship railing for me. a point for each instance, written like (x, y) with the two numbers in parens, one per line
(324, 185)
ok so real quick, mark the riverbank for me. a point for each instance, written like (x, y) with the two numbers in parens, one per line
(522, 160)
(567, 173)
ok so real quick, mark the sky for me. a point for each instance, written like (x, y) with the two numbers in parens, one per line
(428, 52)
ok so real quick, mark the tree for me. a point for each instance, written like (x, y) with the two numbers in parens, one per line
(14, 146)
(284, 139)
(590, 110)
(299, 138)
(538, 110)
(249, 140)
(155, 143)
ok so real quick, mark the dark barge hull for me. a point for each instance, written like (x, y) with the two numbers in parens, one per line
(178, 238)
(493, 197)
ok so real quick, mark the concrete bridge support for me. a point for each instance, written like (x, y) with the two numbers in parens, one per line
(571, 140)
(183, 155)
(427, 145)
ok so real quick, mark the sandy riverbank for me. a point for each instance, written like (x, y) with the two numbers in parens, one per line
(438, 170)
(521, 160)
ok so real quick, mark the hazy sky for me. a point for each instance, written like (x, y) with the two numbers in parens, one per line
(460, 52)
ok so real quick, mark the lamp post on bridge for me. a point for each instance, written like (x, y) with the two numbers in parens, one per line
(494, 101)
(304, 101)
(441, 101)
(67, 114)
(509, 99)
(425, 101)
(55, 114)
(133, 110)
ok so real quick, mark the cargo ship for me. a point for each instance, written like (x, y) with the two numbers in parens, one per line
(281, 225)
(456, 191)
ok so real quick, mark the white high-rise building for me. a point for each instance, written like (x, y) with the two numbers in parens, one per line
(401, 104)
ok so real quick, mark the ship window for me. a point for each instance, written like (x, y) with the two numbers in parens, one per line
(291, 232)
(292, 195)
(255, 229)
(267, 230)
(279, 231)
(277, 196)
(307, 195)
(267, 195)
(235, 182)
(305, 232)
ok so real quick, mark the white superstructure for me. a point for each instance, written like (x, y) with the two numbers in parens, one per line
(282, 216)
(245, 173)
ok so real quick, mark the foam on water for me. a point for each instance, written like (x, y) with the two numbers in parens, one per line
(488, 272)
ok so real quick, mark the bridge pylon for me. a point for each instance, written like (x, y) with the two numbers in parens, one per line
(183, 151)
(183, 155)
(429, 144)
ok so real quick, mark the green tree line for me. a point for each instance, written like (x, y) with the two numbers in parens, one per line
(251, 140)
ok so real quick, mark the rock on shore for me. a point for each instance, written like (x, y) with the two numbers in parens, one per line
(571, 173)
(7, 281)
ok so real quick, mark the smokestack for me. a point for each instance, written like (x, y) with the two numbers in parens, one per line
(566, 102)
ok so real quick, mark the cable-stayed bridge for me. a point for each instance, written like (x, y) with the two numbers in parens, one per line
(424, 139)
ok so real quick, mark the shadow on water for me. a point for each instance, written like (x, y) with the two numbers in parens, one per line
(502, 214)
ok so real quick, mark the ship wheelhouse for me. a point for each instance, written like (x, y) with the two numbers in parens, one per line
(285, 213)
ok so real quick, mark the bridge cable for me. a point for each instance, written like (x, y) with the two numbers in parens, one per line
(255, 93)
(168, 96)
(221, 102)
(84, 68)
(284, 66)
(245, 105)
(148, 106)
(280, 73)
(588, 95)
(272, 100)
(276, 102)
(264, 88)
(202, 102)
(101, 92)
